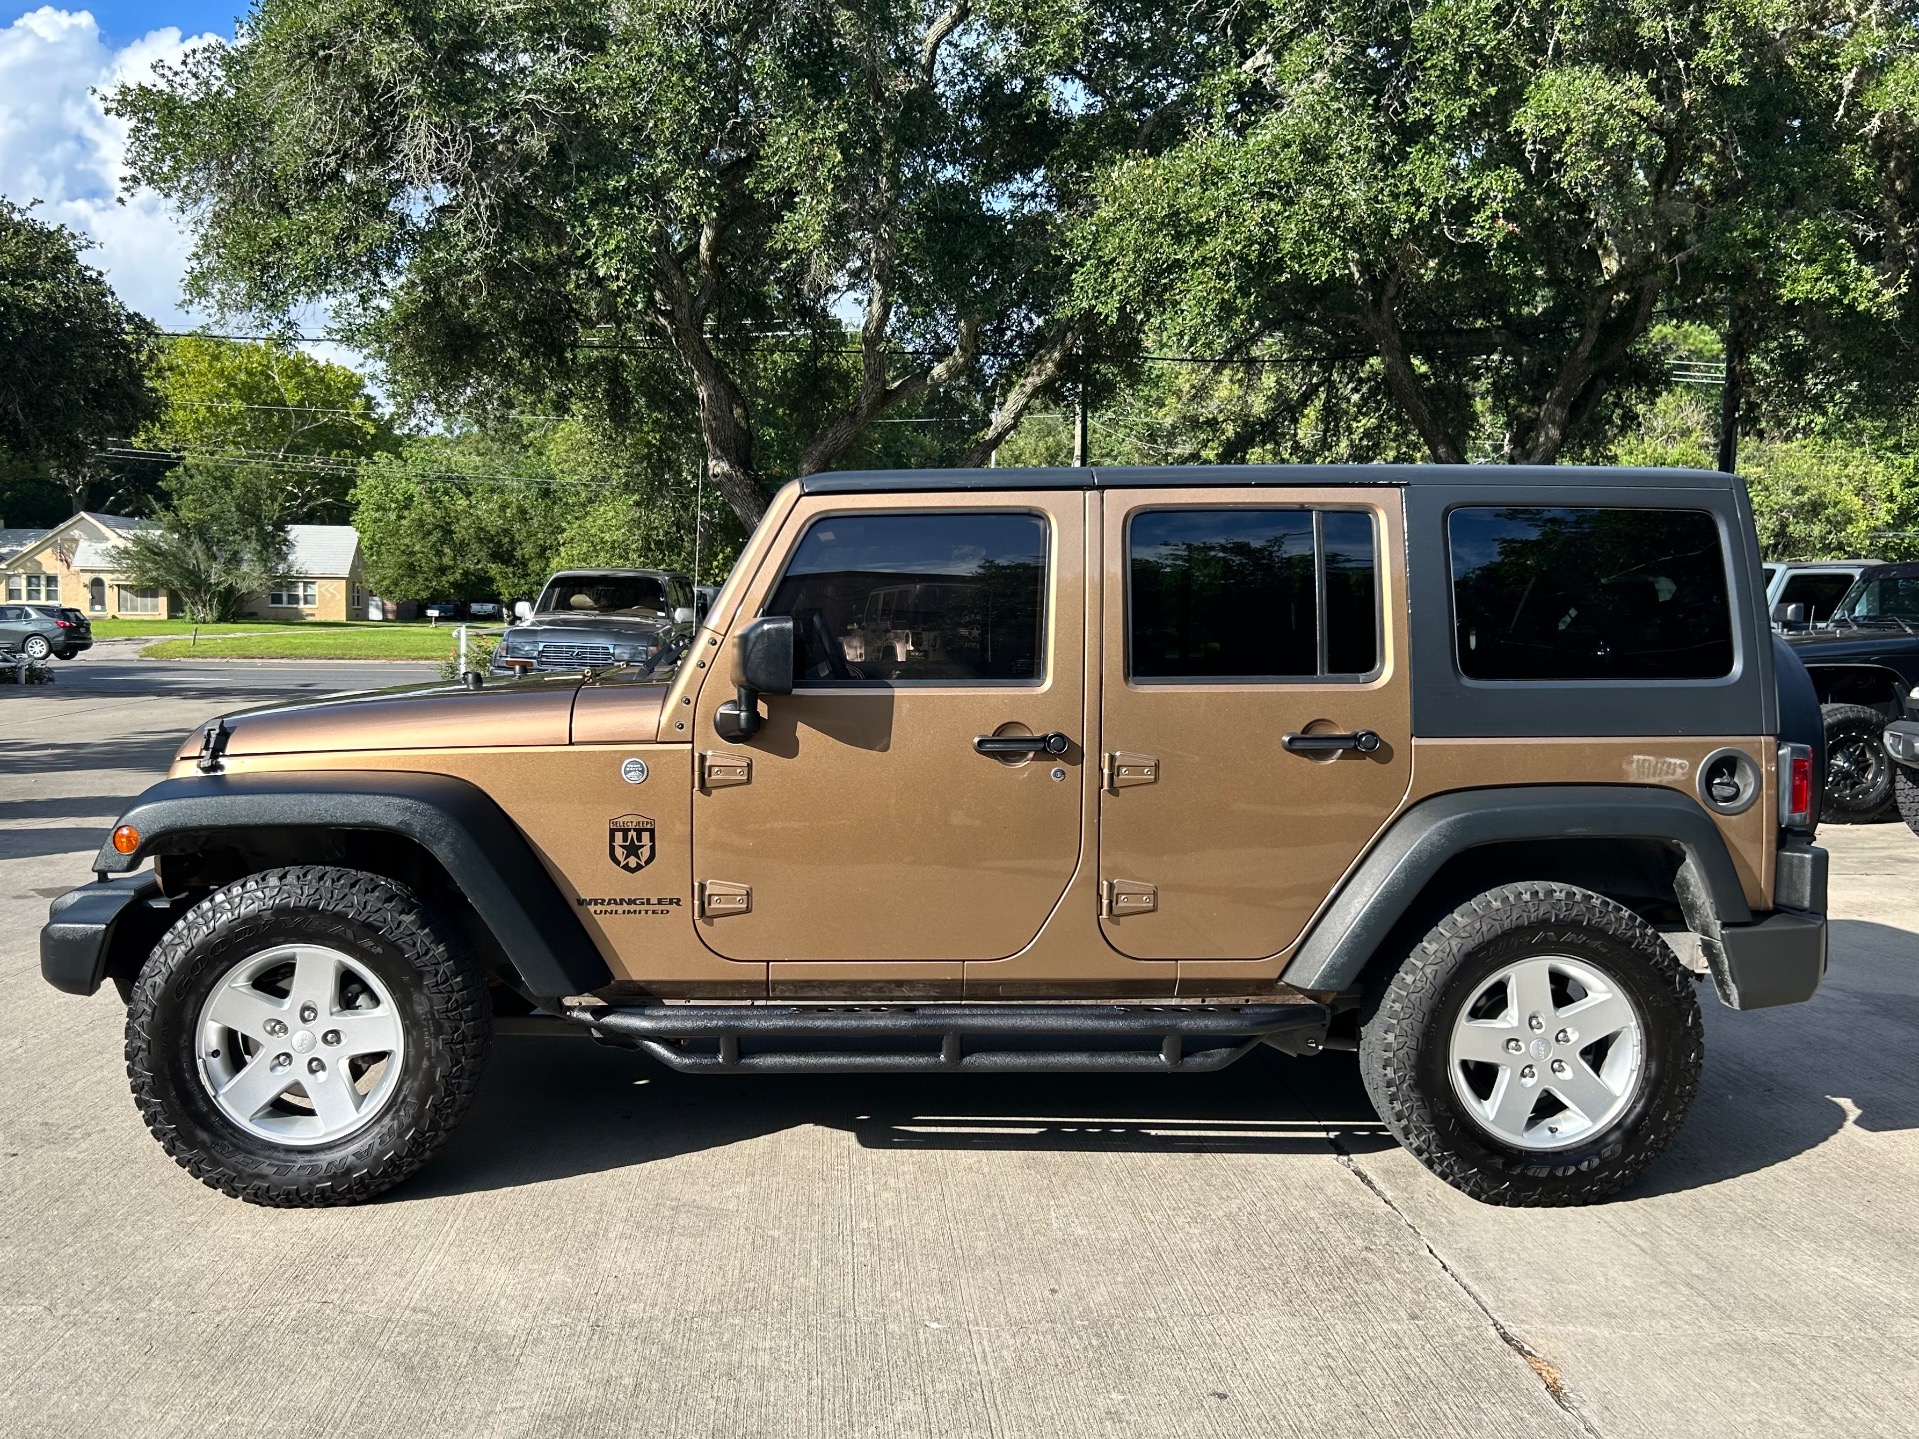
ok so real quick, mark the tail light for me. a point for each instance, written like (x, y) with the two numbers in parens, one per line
(1795, 786)
(64, 624)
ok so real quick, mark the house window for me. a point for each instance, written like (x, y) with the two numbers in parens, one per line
(139, 602)
(41, 587)
(15, 590)
(359, 600)
(97, 596)
(292, 594)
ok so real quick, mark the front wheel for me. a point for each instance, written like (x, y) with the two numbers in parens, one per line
(1858, 769)
(36, 648)
(306, 1037)
(1540, 1046)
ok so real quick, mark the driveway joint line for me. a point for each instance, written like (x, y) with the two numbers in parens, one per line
(1546, 1371)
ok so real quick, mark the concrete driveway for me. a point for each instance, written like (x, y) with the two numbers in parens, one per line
(606, 1247)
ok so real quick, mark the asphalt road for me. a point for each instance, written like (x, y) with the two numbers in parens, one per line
(605, 1247)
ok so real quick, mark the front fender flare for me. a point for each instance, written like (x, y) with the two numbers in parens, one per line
(482, 851)
(1386, 884)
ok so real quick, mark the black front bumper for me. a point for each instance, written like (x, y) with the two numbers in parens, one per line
(89, 926)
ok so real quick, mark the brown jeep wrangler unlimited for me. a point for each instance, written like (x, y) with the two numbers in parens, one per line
(1477, 771)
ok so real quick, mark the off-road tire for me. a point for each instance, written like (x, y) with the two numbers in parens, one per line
(1905, 789)
(1410, 1012)
(1856, 741)
(36, 648)
(437, 986)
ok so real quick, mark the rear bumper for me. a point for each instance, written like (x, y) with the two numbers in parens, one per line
(1779, 960)
(84, 926)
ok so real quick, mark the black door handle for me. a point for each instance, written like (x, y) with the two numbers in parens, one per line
(1054, 743)
(1365, 741)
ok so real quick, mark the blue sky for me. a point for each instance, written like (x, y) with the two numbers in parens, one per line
(122, 21)
(60, 149)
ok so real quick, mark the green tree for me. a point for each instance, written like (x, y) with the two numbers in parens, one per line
(497, 199)
(212, 549)
(289, 432)
(494, 512)
(70, 359)
(1478, 207)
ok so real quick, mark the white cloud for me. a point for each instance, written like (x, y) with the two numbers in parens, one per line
(58, 146)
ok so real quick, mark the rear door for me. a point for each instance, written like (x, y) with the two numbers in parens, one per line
(1235, 624)
(861, 823)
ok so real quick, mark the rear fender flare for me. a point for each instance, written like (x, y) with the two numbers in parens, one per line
(1389, 881)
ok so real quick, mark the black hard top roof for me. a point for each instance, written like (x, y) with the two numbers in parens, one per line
(1106, 477)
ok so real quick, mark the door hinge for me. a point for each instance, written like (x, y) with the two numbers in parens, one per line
(719, 770)
(1123, 769)
(1121, 897)
(719, 898)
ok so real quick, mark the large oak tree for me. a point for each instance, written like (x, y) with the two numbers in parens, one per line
(500, 200)
(1474, 209)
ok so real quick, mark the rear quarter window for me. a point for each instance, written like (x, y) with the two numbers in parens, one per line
(1589, 594)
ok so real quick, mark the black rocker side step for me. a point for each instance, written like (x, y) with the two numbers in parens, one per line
(955, 1038)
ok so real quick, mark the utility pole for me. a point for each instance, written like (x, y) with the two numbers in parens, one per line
(1731, 392)
(1080, 458)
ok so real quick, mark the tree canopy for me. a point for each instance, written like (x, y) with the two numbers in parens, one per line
(864, 198)
(1472, 211)
(71, 354)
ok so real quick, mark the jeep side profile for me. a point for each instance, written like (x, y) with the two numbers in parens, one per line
(1478, 771)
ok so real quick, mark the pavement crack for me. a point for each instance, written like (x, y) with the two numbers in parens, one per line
(1549, 1376)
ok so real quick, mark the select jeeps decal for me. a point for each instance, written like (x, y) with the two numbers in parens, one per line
(629, 842)
(621, 906)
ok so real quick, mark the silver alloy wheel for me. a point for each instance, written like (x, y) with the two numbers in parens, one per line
(300, 1045)
(36, 647)
(1546, 1053)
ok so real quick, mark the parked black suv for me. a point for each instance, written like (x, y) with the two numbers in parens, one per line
(1864, 663)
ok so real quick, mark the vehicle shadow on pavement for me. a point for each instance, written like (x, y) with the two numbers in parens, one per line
(1780, 1082)
(553, 1108)
(60, 839)
(147, 751)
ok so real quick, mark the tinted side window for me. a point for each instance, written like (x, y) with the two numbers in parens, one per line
(942, 597)
(1819, 593)
(1570, 594)
(1251, 594)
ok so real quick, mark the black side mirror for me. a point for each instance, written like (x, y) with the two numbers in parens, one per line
(762, 664)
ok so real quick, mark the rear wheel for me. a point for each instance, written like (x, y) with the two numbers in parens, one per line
(1541, 1046)
(1905, 788)
(306, 1037)
(1858, 769)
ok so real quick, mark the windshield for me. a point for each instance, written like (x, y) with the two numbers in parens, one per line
(1882, 597)
(641, 595)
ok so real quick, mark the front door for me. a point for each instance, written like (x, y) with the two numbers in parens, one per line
(1235, 624)
(861, 823)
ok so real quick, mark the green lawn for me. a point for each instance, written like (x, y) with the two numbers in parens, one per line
(312, 642)
(104, 629)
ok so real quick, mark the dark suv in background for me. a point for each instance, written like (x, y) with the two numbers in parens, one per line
(39, 631)
(1864, 663)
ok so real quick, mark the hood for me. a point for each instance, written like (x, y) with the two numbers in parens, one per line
(532, 711)
(1826, 645)
(570, 626)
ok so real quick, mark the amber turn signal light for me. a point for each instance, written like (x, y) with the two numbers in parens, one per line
(126, 839)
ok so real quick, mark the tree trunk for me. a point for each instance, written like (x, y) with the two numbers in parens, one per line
(1381, 324)
(1041, 371)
